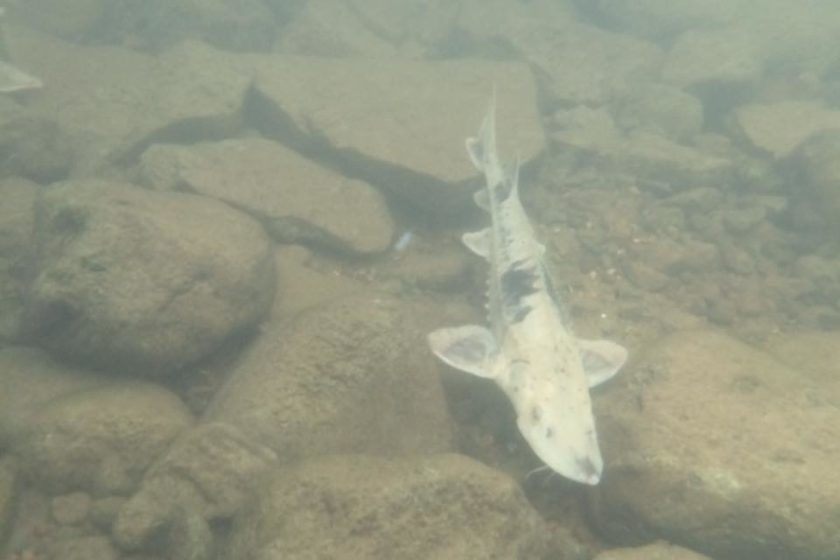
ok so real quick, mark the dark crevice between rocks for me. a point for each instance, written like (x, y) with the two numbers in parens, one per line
(187, 131)
(419, 200)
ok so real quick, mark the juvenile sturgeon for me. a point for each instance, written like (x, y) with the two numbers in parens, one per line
(528, 350)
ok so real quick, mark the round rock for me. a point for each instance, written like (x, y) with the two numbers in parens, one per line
(140, 281)
(102, 439)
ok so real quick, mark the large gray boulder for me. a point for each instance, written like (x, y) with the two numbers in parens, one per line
(144, 282)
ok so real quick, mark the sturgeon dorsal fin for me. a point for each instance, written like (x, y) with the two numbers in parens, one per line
(478, 242)
(470, 348)
(512, 178)
(601, 359)
(476, 152)
(482, 147)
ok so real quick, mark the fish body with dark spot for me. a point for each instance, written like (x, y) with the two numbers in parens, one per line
(528, 349)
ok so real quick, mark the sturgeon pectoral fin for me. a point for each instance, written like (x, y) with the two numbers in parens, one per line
(470, 348)
(601, 359)
(482, 200)
(478, 242)
(476, 152)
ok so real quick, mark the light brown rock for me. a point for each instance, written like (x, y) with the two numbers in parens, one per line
(581, 63)
(400, 125)
(720, 57)
(714, 445)
(101, 439)
(648, 153)
(144, 282)
(297, 199)
(115, 101)
(779, 128)
(814, 353)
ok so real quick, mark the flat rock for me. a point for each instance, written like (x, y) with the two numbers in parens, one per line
(411, 29)
(779, 128)
(115, 101)
(71, 20)
(814, 353)
(716, 58)
(415, 28)
(714, 445)
(583, 64)
(662, 19)
(333, 28)
(247, 25)
(647, 153)
(144, 282)
(348, 507)
(486, 20)
(299, 200)
(399, 125)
